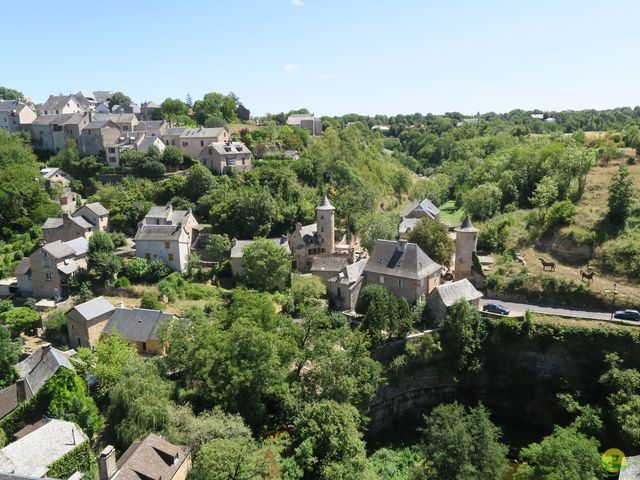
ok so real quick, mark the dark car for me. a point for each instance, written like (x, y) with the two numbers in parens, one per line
(627, 315)
(496, 308)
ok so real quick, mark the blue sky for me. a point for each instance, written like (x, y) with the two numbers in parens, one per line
(332, 56)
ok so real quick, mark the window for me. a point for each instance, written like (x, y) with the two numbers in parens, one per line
(112, 150)
(147, 256)
(322, 240)
(381, 280)
(322, 229)
(171, 257)
(144, 346)
(48, 277)
(321, 217)
(202, 143)
(173, 142)
(400, 282)
(185, 144)
(125, 128)
(166, 245)
(211, 151)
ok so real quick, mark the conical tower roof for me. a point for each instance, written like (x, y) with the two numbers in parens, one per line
(466, 226)
(325, 204)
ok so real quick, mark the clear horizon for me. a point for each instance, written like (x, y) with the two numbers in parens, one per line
(334, 57)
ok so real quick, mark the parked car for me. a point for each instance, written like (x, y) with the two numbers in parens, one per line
(496, 308)
(627, 315)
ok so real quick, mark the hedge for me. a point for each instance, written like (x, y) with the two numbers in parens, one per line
(80, 459)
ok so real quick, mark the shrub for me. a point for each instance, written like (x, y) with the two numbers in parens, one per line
(150, 301)
(119, 239)
(137, 269)
(55, 324)
(20, 320)
(158, 270)
(622, 255)
(122, 282)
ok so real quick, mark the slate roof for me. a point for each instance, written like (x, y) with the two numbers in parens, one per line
(325, 204)
(146, 141)
(466, 226)
(97, 208)
(152, 458)
(114, 117)
(408, 224)
(202, 132)
(331, 264)
(237, 251)
(450, 293)
(175, 131)
(351, 273)
(137, 324)
(33, 453)
(389, 257)
(8, 105)
(422, 207)
(160, 232)
(167, 213)
(226, 148)
(70, 266)
(41, 365)
(296, 118)
(52, 222)
(24, 266)
(59, 249)
(94, 308)
(309, 234)
(99, 124)
(58, 102)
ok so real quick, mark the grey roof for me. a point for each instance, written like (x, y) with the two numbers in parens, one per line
(158, 211)
(332, 264)
(8, 105)
(41, 365)
(46, 119)
(450, 293)
(150, 104)
(52, 222)
(94, 308)
(351, 273)
(175, 131)
(202, 132)
(59, 249)
(466, 226)
(168, 214)
(153, 457)
(115, 117)
(81, 221)
(237, 251)
(632, 470)
(408, 224)
(24, 266)
(97, 208)
(99, 124)
(137, 324)
(325, 204)
(229, 148)
(424, 207)
(71, 266)
(400, 259)
(58, 102)
(146, 141)
(160, 232)
(296, 118)
(309, 234)
(33, 453)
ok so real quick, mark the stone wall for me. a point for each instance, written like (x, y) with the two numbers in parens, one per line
(564, 248)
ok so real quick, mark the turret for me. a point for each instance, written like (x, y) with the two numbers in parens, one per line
(466, 238)
(325, 220)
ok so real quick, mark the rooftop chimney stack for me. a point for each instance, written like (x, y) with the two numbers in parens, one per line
(107, 463)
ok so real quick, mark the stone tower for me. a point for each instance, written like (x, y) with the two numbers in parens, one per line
(466, 236)
(325, 219)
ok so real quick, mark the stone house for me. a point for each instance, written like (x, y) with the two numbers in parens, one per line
(132, 141)
(96, 214)
(15, 115)
(170, 243)
(126, 122)
(443, 296)
(193, 140)
(148, 110)
(166, 215)
(88, 321)
(327, 267)
(58, 184)
(60, 104)
(403, 268)
(344, 288)
(315, 239)
(465, 243)
(65, 228)
(307, 121)
(150, 458)
(154, 128)
(46, 272)
(97, 136)
(237, 252)
(226, 157)
(171, 136)
(33, 372)
(51, 132)
(38, 446)
(243, 112)
(414, 213)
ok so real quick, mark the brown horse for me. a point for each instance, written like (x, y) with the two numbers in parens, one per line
(545, 264)
(587, 276)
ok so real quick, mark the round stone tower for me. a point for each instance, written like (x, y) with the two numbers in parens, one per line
(466, 237)
(325, 220)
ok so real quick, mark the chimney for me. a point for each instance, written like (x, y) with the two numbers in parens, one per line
(65, 218)
(21, 390)
(107, 463)
(401, 246)
(352, 254)
(90, 115)
(46, 348)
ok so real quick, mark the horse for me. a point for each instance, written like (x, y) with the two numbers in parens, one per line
(587, 276)
(546, 264)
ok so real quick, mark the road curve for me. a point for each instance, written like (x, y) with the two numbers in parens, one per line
(561, 311)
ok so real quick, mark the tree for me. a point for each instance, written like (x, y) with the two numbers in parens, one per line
(462, 333)
(266, 265)
(376, 226)
(326, 442)
(563, 455)
(432, 237)
(105, 266)
(219, 247)
(546, 193)
(101, 242)
(172, 156)
(20, 320)
(9, 356)
(245, 213)
(137, 269)
(173, 107)
(461, 444)
(70, 401)
(10, 94)
(112, 354)
(216, 105)
(199, 181)
(388, 464)
(482, 202)
(230, 459)
(621, 195)
(150, 301)
(119, 98)
(306, 291)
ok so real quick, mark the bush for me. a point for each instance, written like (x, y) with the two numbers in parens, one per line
(150, 301)
(20, 320)
(175, 287)
(137, 269)
(158, 270)
(622, 255)
(122, 282)
(494, 235)
(55, 325)
(119, 239)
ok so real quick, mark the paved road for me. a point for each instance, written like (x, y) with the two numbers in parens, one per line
(562, 311)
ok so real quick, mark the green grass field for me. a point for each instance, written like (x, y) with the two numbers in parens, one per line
(450, 215)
